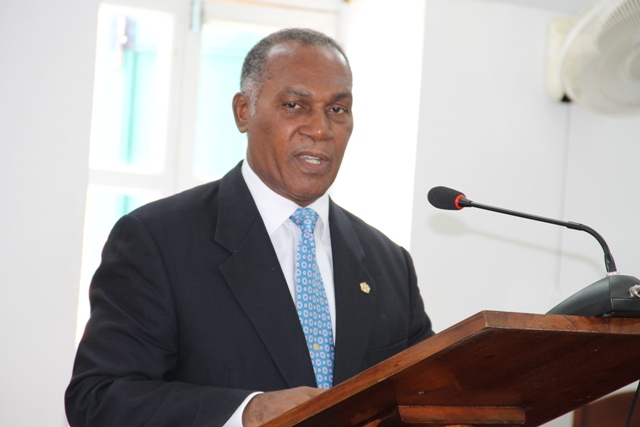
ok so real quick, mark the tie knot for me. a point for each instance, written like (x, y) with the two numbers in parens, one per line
(305, 218)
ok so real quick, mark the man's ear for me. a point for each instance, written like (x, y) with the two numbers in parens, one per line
(241, 111)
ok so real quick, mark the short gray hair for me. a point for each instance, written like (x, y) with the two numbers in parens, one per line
(255, 63)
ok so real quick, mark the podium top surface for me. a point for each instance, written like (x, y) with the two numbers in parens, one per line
(541, 366)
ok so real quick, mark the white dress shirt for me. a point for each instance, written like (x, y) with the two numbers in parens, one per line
(275, 211)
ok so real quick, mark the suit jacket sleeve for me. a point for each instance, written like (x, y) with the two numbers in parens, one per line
(420, 328)
(126, 362)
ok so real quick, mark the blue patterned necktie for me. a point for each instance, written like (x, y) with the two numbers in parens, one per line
(311, 300)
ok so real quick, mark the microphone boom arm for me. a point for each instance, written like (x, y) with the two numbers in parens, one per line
(608, 258)
(615, 295)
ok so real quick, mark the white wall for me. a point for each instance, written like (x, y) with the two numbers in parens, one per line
(46, 78)
(488, 129)
(603, 180)
(375, 180)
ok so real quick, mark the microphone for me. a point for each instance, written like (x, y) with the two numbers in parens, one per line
(613, 296)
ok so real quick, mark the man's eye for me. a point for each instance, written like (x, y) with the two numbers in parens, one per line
(338, 110)
(292, 105)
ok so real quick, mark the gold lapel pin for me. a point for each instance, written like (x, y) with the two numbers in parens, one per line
(365, 288)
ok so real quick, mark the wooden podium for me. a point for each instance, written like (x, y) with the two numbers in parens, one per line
(494, 369)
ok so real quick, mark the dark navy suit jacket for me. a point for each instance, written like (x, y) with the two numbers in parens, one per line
(191, 311)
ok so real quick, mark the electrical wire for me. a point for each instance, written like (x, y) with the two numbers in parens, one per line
(633, 406)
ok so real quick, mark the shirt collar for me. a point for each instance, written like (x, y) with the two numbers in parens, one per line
(276, 209)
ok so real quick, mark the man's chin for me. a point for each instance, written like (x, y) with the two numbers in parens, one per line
(305, 198)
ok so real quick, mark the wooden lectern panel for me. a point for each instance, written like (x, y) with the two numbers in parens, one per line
(494, 369)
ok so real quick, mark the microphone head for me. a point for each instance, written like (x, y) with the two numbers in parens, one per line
(445, 198)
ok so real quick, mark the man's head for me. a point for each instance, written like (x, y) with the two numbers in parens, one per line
(295, 106)
(253, 69)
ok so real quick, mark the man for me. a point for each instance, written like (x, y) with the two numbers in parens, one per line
(197, 303)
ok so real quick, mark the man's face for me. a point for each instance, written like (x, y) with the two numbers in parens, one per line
(302, 121)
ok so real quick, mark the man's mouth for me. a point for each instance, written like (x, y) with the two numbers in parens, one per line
(312, 159)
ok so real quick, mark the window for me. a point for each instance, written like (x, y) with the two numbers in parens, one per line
(218, 144)
(162, 122)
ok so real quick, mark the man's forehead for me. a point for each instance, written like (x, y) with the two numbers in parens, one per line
(304, 93)
(281, 49)
(286, 54)
(293, 48)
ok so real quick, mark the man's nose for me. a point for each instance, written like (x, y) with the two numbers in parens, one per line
(318, 126)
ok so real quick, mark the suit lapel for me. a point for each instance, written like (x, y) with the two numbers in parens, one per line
(255, 278)
(355, 309)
